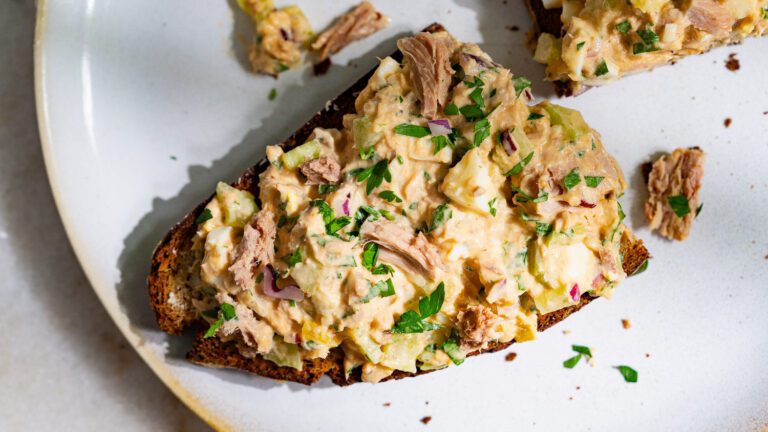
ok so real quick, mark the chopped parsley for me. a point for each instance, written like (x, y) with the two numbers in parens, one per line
(451, 109)
(226, 312)
(281, 67)
(482, 131)
(293, 258)
(643, 267)
(441, 142)
(492, 207)
(441, 215)
(649, 42)
(522, 197)
(414, 322)
(623, 27)
(593, 181)
(517, 169)
(204, 216)
(412, 130)
(582, 351)
(399, 159)
(370, 259)
(521, 83)
(325, 210)
(535, 116)
(390, 196)
(375, 175)
(272, 94)
(337, 224)
(325, 189)
(379, 289)
(477, 96)
(602, 68)
(387, 215)
(698, 209)
(572, 179)
(629, 374)
(472, 112)
(580, 45)
(476, 82)
(679, 204)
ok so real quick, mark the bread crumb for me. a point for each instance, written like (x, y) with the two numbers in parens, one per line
(732, 64)
(426, 419)
(387, 404)
(565, 332)
(578, 387)
(647, 355)
(512, 356)
(627, 324)
(570, 398)
(766, 257)
(727, 122)
(513, 28)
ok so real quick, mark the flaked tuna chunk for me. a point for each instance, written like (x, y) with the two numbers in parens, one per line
(475, 327)
(255, 333)
(360, 22)
(673, 188)
(427, 56)
(710, 15)
(256, 248)
(401, 246)
(322, 170)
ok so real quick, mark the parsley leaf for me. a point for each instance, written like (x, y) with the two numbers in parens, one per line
(580, 45)
(477, 96)
(325, 210)
(679, 204)
(482, 131)
(572, 362)
(602, 68)
(375, 175)
(226, 313)
(441, 215)
(492, 207)
(629, 374)
(649, 42)
(521, 83)
(370, 255)
(643, 267)
(517, 169)
(337, 224)
(451, 109)
(593, 181)
(379, 289)
(441, 142)
(543, 229)
(572, 179)
(325, 189)
(413, 322)
(623, 27)
(272, 94)
(293, 258)
(698, 209)
(204, 216)
(582, 350)
(472, 112)
(411, 130)
(390, 196)
(535, 116)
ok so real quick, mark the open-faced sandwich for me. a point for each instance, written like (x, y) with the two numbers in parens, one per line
(428, 214)
(590, 43)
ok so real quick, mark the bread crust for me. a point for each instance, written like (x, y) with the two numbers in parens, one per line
(172, 261)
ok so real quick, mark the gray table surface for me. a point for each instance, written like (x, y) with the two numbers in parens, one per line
(63, 363)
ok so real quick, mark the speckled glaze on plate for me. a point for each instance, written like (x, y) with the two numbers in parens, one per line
(144, 105)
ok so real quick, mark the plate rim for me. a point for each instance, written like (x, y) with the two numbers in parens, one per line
(155, 363)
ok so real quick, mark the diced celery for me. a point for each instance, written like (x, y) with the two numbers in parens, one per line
(402, 352)
(547, 48)
(238, 206)
(303, 153)
(572, 122)
(285, 354)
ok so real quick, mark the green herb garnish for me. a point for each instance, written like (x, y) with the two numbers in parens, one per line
(649, 42)
(451, 109)
(390, 196)
(226, 312)
(643, 267)
(441, 215)
(375, 175)
(580, 45)
(602, 68)
(451, 348)
(521, 83)
(412, 130)
(482, 131)
(679, 204)
(272, 94)
(293, 258)
(204, 216)
(477, 96)
(472, 112)
(414, 322)
(518, 168)
(582, 351)
(593, 181)
(325, 189)
(379, 289)
(535, 116)
(572, 179)
(623, 27)
(492, 207)
(440, 142)
(698, 209)
(629, 374)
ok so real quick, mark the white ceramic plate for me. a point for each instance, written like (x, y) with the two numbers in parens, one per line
(145, 104)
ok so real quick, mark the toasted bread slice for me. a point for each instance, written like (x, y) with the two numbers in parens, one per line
(173, 261)
(714, 27)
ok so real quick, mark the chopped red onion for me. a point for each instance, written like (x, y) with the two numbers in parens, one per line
(508, 142)
(528, 93)
(286, 36)
(345, 206)
(575, 293)
(597, 281)
(587, 204)
(481, 62)
(269, 286)
(439, 127)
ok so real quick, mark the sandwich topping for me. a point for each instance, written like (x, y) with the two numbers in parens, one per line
(445, 216)
(605, 40)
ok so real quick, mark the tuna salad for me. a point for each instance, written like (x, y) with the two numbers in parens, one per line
(445, 215)
(602, 41)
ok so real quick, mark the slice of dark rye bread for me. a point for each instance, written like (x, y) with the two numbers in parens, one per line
(173, 260)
